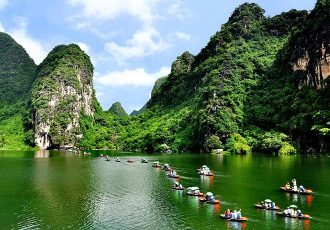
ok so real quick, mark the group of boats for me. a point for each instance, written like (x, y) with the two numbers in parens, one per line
(232, 215)
(129, 160)
(207, 198)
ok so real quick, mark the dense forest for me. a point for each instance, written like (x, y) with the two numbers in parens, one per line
(259, 85)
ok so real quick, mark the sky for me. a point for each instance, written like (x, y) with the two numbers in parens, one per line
(131, 43)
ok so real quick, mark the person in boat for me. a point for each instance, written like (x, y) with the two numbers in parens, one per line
(287, 185)
(239, 214)
(286, 211)
(294, 187)
(232, 216)
(227, 213)
(196, 192)
(235, 214)
(299, 213)
(273, 205)
(301, 188)
(263, 204)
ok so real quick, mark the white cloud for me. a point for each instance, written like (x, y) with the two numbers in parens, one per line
(143, 43)
(3, 3)
(135, 77)
(178, 10)
(36, 51)
(183, 36)
(84, 47)
(110, 9)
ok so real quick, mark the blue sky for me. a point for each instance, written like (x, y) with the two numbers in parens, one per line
(131, 42)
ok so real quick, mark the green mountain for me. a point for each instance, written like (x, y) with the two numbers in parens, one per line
(117, 109)
(260, 84)
(17, 72)
(62, 93)
(294, 94)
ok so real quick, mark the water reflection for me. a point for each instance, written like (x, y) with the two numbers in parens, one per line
(42, 154)
(236, 225)
(60, 190)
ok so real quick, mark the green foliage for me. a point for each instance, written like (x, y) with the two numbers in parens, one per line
(237, 144)
(13, 134)
(117, 109)
(213, 142)
(231, 85)
(17, 73)
(287, 149)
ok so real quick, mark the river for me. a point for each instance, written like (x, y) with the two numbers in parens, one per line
(60, 190)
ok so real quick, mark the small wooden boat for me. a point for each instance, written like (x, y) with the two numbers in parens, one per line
(130, 161)
(144, 161)
(306, 192)
(304, 216)
(259, 206)
(206, 174)
(203, 199)
(173, 176)
(177, 188)
(242, 219)
(191, 191)
(156, 164)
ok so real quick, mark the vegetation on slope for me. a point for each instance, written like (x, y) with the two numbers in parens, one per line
(117, 109)
(17, 73)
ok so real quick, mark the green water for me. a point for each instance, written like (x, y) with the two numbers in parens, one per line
(59, 190)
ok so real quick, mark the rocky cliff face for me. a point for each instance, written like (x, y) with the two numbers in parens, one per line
(63, 91)
(310, 48)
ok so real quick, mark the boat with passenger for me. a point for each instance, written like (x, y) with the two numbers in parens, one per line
(144, 161)
(267, 204)
(194, 191)
(167, 167)
(130, 160)
(173, 174)
(177, 186)
(293, 212)
(295, 189)
(209, 198)
(204, 170)
(156, 164)
(234, 216)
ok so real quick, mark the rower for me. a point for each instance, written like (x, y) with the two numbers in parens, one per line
(301, 188)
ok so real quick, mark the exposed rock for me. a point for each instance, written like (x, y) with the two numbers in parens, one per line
(310, 48)
(62, 92)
